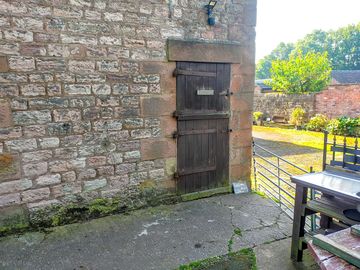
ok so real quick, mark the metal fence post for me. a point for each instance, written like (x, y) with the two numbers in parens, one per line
(279, 183)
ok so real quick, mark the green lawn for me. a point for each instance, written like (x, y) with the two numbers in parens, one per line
(303, 148)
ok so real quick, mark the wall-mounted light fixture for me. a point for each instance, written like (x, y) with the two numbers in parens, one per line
(210, 8)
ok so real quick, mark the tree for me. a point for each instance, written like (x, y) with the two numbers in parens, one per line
(281, 52)
(342, 46)
(301, 73)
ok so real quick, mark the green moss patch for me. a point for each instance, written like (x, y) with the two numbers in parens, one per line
(242, 260)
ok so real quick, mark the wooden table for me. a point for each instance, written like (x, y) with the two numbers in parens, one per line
(341, 190)
(327, 260)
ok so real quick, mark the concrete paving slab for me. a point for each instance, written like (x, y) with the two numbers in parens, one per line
(158, 238)
(276, 256)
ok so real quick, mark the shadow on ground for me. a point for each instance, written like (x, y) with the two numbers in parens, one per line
(284, 148)
(160, 238)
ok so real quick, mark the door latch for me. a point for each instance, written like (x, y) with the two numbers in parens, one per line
(175, 135)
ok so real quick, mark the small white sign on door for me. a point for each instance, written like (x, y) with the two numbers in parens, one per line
(205, 92)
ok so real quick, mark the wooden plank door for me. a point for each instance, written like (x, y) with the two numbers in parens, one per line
(203, 126)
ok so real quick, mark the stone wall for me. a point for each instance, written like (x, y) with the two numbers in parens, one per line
(335, 101)
(277, 104)
(87, 96)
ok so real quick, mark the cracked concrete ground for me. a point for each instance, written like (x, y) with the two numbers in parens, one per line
(158, 238)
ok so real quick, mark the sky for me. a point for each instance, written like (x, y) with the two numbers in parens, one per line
(290, 20)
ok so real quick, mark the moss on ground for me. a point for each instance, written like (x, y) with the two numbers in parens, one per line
(244, 259)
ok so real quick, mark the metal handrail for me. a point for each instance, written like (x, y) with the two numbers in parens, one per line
(282, 159)
(271, 180)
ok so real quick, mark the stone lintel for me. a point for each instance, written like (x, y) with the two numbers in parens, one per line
(196, 51)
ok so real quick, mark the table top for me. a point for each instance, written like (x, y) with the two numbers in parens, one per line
(327, 260)
(342, 184)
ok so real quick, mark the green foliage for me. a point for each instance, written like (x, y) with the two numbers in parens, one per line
(238, 231)
(297, 117)
(281, 52)
(258, 115)
(244, 259)
(301, 73)
(317, 123)
(333, 126)
(346, 126)
(342, 46)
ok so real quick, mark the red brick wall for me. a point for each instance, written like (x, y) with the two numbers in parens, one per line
(339, 100)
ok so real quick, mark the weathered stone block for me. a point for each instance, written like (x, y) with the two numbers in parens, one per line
(77, 39)
(5, 114)
(158, 106)
(43, 77)
(132, 155)
(68, 12)
(11, 77)
(35, 195)
(54, 89)
(147, 79)
(241, 138)
(156, 149)
(15, 186)
(157, 174)
(9, 90)
(48, 103)
(139, 89)
(20, 63)
(81, 66)
(4, 66)
(31, 117)
(141, 133)
(95, 184)
(82, 102)
(108, 66)
(18, 35)
(77, 89)
(96, 161)
(47, 180)
(43, 155)
(110, 40)
(32, 90)
(66, 115)
(33, 50)
(49, 142)
(113, 16)
(120, 89)
(101, 89)
(34, 131)
(115, 158)
(130, 123)
(10, 133)
(35, 169)
(9, 199)
(49, 64)
(21, 145)
(103, 125)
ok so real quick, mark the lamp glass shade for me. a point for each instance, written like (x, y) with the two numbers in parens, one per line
(212, 4)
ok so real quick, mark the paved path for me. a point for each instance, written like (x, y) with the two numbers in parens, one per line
(156, 238)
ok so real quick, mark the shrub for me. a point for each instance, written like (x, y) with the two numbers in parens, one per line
(297, 117)
(349, 126)
(333, 127)
(346, 126)
(317, 123)
(258, 116)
